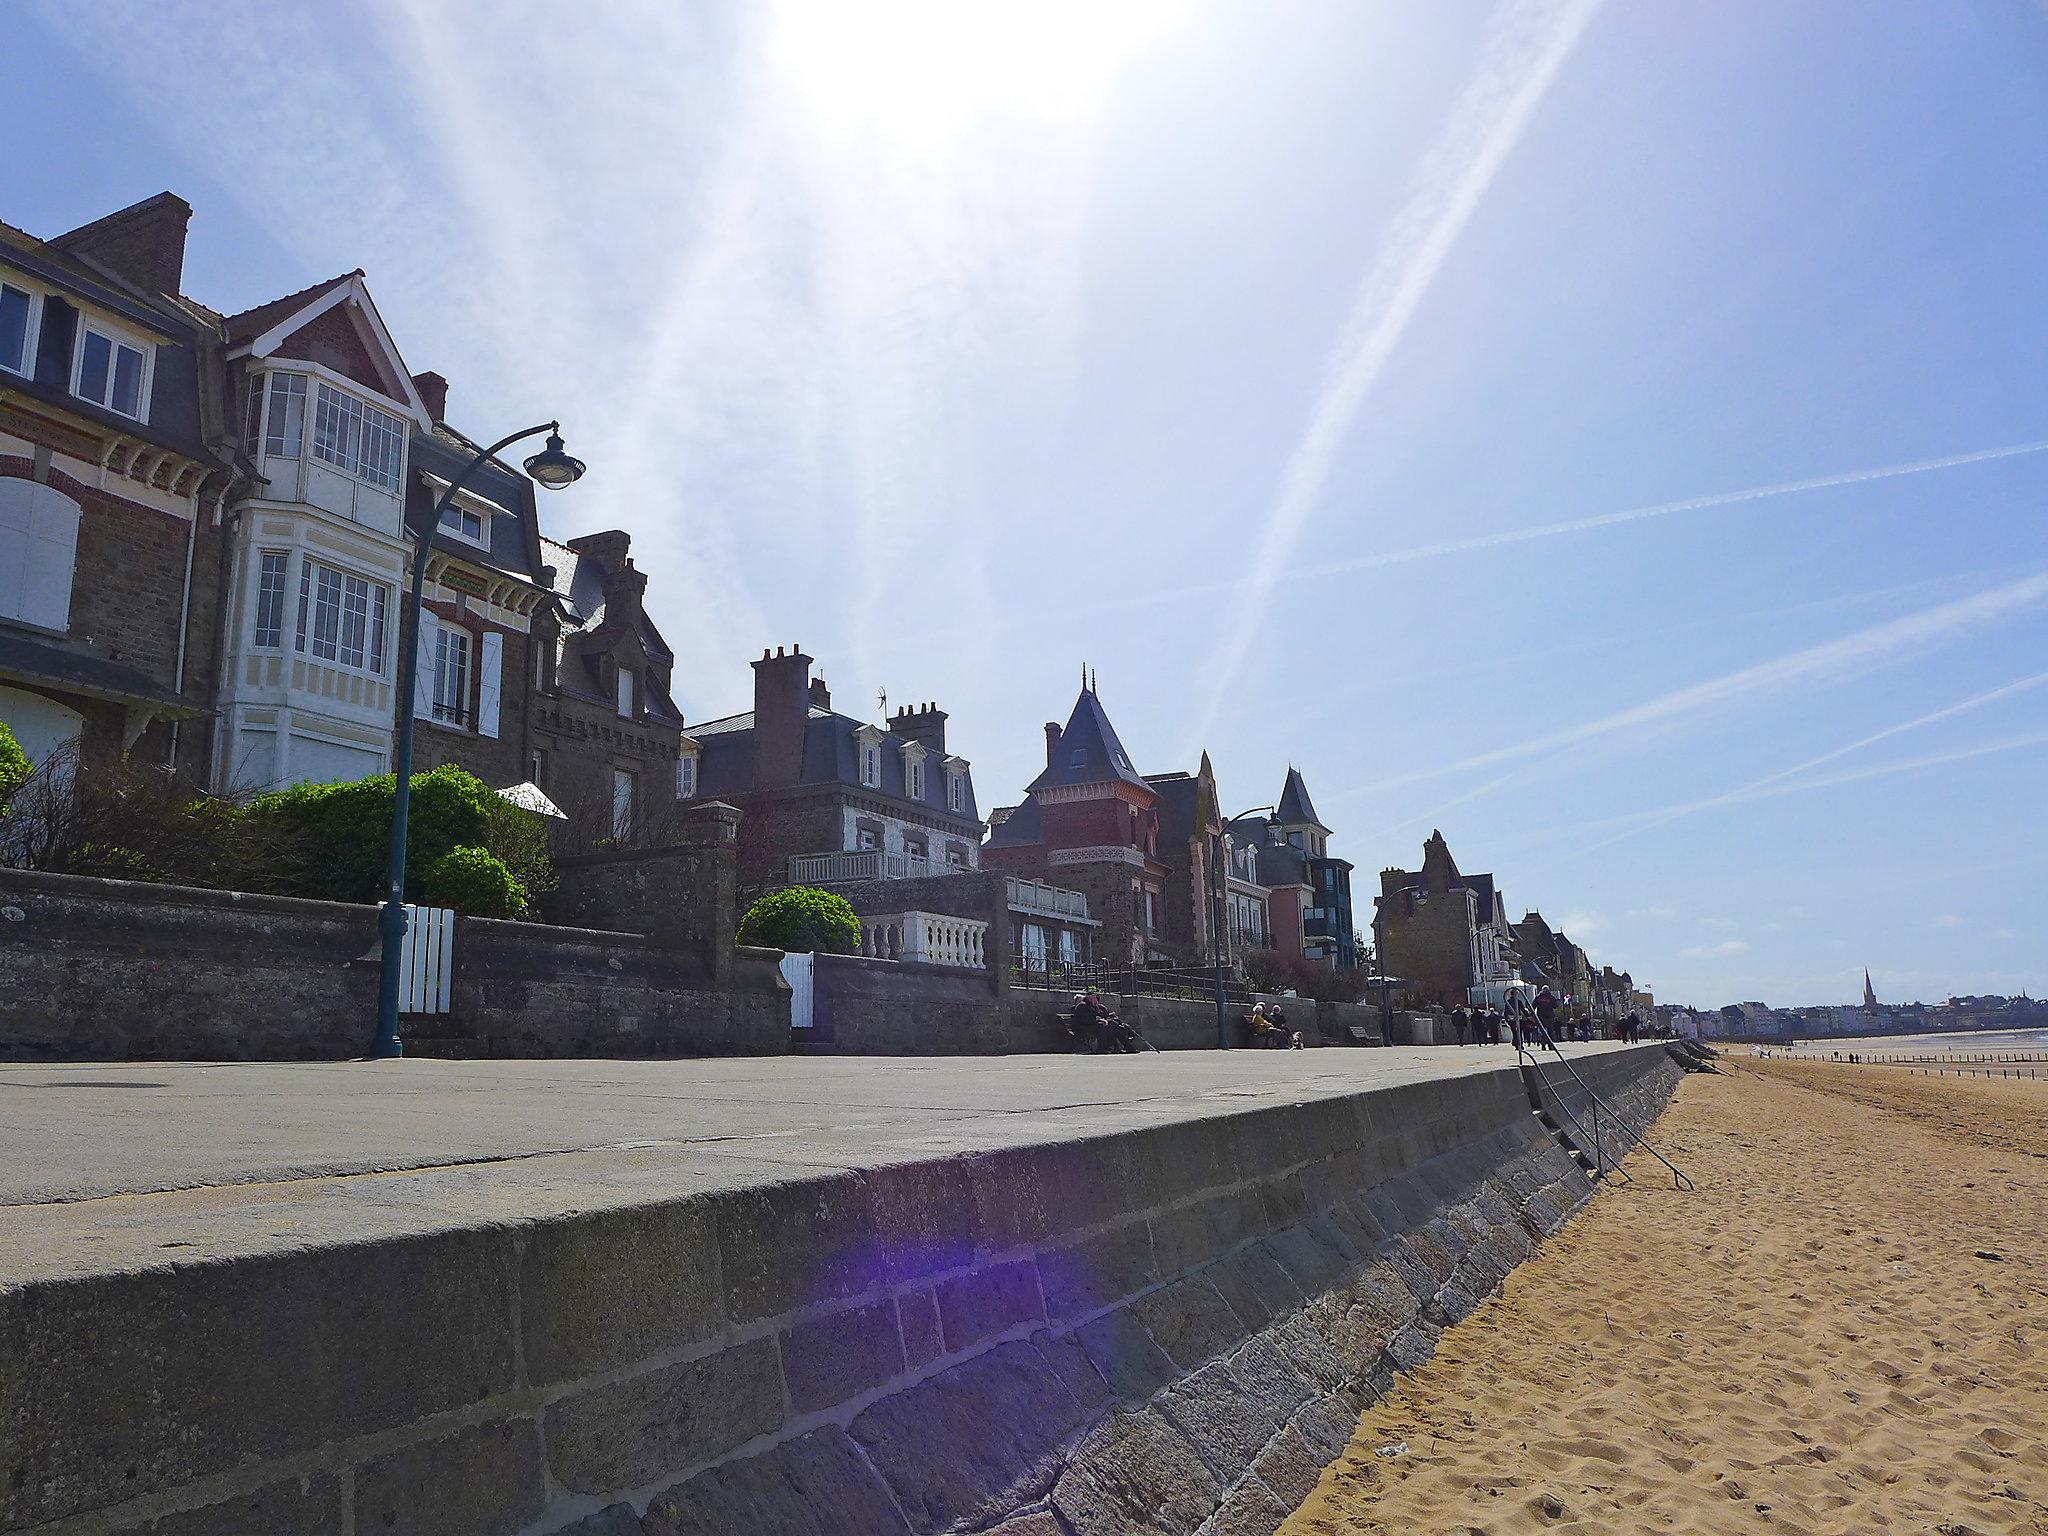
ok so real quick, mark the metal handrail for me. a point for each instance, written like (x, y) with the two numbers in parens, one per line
(1599, 1153)
(1678, 1175)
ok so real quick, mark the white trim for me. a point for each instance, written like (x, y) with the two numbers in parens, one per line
(118, 336)
(32, 334)
(479, 541)
(270, 340)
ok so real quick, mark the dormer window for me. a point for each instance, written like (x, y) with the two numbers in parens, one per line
(18, 309)
(686, 775)
(464, 524)
(871, 765)
(111, 370)
(956, 793)
(913, 778)
(625, 693)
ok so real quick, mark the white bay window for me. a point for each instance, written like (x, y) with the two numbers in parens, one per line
(357, 438)
(341, 617)
(111, 370)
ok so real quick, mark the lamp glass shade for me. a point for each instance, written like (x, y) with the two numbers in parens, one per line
(552, 467)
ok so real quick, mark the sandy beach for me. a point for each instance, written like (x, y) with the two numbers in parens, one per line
(1844, 1330)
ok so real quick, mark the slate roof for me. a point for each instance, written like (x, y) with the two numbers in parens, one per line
(1279, 862)
(1295, 805)
(251, 323)
(1021, 828)
(65, 666)
(1179, 796)
(725, 762)
(1089, 752)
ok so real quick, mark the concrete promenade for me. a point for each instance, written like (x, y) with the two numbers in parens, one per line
(649, 1297)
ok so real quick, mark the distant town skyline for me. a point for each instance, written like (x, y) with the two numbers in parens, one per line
(1613, 436)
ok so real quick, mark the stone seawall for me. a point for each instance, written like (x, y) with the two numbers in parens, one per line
(1153, 1325)
(113, 970)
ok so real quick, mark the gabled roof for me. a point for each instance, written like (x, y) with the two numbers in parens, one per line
(1295, 807)
(251, 323)
(831, 755)
(260, 331)
(1089, 752)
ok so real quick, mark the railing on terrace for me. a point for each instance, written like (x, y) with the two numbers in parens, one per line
(1037, 896)
(864, 864)
(1194, 982)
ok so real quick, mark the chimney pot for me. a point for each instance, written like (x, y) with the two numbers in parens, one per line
(1052, 742)
(433, 391)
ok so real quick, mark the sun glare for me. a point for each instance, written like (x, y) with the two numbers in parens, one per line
(916, 69)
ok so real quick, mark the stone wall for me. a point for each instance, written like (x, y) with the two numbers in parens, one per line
(110, 970)
(1161, 1330)
(683, 894)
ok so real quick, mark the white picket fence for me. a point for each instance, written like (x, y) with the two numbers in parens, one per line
(427, 963)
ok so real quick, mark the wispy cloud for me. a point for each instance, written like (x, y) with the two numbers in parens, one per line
(1720, 951)
(1948, 920)
(1580, 921)
(1527, 43)
(1835, 658)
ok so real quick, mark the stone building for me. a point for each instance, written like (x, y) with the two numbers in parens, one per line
(606, 739)
(829, 799)
(1308, 890)
(115, 458)
(1190, 836)
(1444, 931)
(1090, 823)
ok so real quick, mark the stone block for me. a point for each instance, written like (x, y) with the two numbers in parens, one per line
(830, 1358)
(152, 1379)
(1291, 1467)
(975, 1441)
(1263, 1272)
(484, 1481)
(787, 1246)
(1030, 1195)
(1262, 1369)
(1192, 1235)
(1123, 1352)
(600, 1291)
(1190, 1321)
(1250, 1510)
(1333, 1236)
(1070, 1362)
(926, 1218)
(1221, 1418)
(1310, 1353)
(989, 1301)
(309, 1506)
(815, 1485)
(1234, 1284)
(1310, 1262)
(1042, 1523)
(1326, 1425)
(1097, 1272)
(1135, 1475)
(612, 1520)
(1284, 1201)
(638, 1431)
(917, 1316)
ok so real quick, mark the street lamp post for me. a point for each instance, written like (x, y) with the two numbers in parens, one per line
(1216, 920)
(552, 469)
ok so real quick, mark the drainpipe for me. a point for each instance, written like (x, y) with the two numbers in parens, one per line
(240, 471)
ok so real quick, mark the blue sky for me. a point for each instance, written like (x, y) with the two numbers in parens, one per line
(1290, 364)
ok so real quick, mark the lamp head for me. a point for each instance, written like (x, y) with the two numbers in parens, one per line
(552, 467)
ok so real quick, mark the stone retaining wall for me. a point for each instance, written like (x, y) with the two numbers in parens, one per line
(112, 970)
(1164, 1330)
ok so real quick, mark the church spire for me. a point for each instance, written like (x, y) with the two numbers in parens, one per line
(1869, 997)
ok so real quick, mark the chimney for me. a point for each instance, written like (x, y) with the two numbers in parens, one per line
(782, 697)
(625, 589)
(1052, 742)
(821, 696)
(144, 242)
(608, 549)
(923, 723)
(433, 394)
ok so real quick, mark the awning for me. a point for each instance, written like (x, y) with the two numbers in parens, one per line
(529, 797)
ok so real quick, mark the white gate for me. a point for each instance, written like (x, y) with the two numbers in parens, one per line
(798, 971)
(427, 961)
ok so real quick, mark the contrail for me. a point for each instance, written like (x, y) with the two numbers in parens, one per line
(1525, 46)
(1929, 626)
(1753, 790)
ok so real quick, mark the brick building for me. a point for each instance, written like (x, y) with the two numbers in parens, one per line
(115, 456)
(828, 799)
(1444, 931)
(606, 740)
(1090, 823)
(1308, 890)
(1190, 834)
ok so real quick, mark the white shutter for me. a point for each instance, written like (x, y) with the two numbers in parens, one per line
(38, 547)
(490, 684)
(423, 678)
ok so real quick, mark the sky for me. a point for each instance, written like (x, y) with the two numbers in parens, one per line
(1613, 435)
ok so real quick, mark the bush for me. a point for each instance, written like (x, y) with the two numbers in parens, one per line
(343, 831)
(520, 838)
(475, 883)
(1270, 970)
(110, 861)
(14, 766)
(802, 920)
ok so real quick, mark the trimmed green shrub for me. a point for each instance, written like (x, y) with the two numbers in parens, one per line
(803, 920)
(110, 861)
(475, 883)
(343, 831)
(14, 766)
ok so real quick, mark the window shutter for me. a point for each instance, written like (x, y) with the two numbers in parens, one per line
(490, 674)
(423, 678)
(38, 544)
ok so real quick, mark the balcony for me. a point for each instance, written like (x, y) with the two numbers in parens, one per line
(1037, 896)
(863, 864)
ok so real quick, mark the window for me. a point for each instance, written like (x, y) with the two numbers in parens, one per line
(284, 437)
(913, 778)
(913, 850)
(870, 764)
(625, 693)
(1079, 759)
(536, 766)
(270, 598)
(463, 523)
(544, 664)
(956, 793)
(357, 439)
(1151, 910)
(17, 330)
(956, 856)
(686, 775)
(451, 675)
(622, 803)
(38, 549)
(868, 839)
(1070, 951)
(110, 372)
(341, 617)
